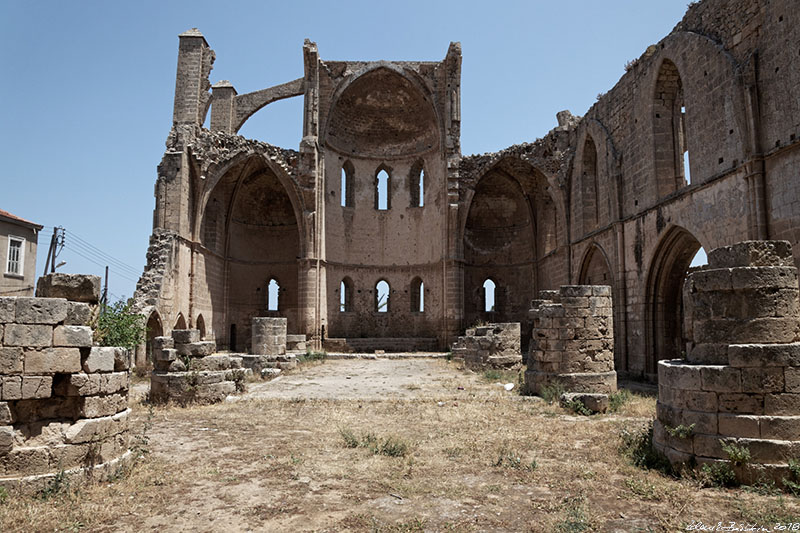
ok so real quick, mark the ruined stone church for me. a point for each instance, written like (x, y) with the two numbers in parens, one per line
(377, 233)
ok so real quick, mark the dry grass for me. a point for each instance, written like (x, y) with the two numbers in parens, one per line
(484, 460)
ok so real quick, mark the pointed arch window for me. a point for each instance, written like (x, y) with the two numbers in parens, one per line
(416, 182)
(383, 188)
(347, 192)
(589, 185)
(669, 131)
(346, 295)
(417, 296)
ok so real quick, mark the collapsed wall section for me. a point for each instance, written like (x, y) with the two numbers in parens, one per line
(740, 382)
(491, 345)
(63, 401)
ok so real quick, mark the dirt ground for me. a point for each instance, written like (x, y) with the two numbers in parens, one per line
(389, 445)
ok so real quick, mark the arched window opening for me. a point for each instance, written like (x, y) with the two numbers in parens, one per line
(346, 295)
(686, 170)
(416, 182)
(669, 131)
(273, 292)
(699, 259)
(347, 193)
(180, 322)
(154, 329)
(489, 288)
(417, 296)
(382, 296)
(200, 324)
(589, 185)
(383, 183)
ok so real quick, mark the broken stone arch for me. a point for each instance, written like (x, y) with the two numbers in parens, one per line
(594, 264)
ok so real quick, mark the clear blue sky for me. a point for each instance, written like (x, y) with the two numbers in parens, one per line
(88, 88)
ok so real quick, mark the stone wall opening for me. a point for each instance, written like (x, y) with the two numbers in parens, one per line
(252, 266)
(589, 190)
(180, 322)
(383, 189)
(595, 269)
(665, 309)
(382, 294)
(154, 328)
(417, 296)
(669, 130)
(347, 193)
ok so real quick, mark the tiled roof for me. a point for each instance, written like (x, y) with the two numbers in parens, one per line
(15, 218)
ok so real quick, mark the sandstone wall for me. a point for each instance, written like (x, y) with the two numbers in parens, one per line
(490, 346)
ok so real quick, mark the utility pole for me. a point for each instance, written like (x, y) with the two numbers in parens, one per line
(104, 299)
(56, 244)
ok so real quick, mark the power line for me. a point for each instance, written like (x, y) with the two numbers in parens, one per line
(91, 260)
(103, 258)
(104, 255)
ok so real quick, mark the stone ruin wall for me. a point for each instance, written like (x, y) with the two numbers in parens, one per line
(606, 200)
(63, 401)
(740, 381)
(490, 346)
(573, 341)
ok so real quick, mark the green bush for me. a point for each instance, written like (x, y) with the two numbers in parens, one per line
(552, 392)
(118, 325)
(637, 445)
(738, 455)
(617, 399)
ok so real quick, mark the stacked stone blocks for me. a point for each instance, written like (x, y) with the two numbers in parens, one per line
(572, 344)
(269, 345)
(63, 401)
(740, 381)
(187, 369)
(495, 345)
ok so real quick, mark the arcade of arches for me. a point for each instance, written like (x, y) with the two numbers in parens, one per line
(378, 228)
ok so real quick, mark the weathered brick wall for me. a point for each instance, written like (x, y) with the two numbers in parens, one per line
(740, 381)
(63, 401)
(573, 340)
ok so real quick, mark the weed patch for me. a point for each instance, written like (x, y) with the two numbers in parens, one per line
(390, 446)
(637, 446)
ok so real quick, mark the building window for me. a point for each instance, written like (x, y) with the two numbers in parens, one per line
(417, 296)
(417, 183)
(347, 194)
(16, 256)
(489, 288)
(382, 296)
(273, 290)
(346, 295)
(383, 188)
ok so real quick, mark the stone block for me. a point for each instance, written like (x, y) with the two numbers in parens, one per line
(53, 361)
(163, 343)
(35, 387)
(782, 404)
(6, 439)
(770, 451)
(792, 379)
(196, 349)
(11, 360)
(6, 417)
(780, 427)
(744, 355)
(75, 287)
(82, 384)
(746, 404)
(732, 425)
(712, 280)
(78, 314)
(100, 359)
(576, 290)
(679, 375)
(40, 311)
(697, 401)
(185, 336)
(165, 354)
(708, 446)
(77, 336)
(174, 366)
(752, 253)
(721, 379)
(708, 354)
(94, 429)
(98, 406)
(27, 335)
(8, 306)
(762, 379)
(25, 461)
(11, 388)
(702, 422)
(760, 277)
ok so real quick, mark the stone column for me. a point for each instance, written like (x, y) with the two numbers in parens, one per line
(269, 336)
(573, 340)
(740, 382)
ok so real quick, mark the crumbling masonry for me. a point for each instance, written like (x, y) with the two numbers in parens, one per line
(378, 232)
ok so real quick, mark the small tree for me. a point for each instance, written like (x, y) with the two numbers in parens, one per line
(118, 325)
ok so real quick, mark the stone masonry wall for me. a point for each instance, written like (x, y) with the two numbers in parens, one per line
(492, 345)
(186, 369)
(63, 402)
(740, 381)
(573, 340)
